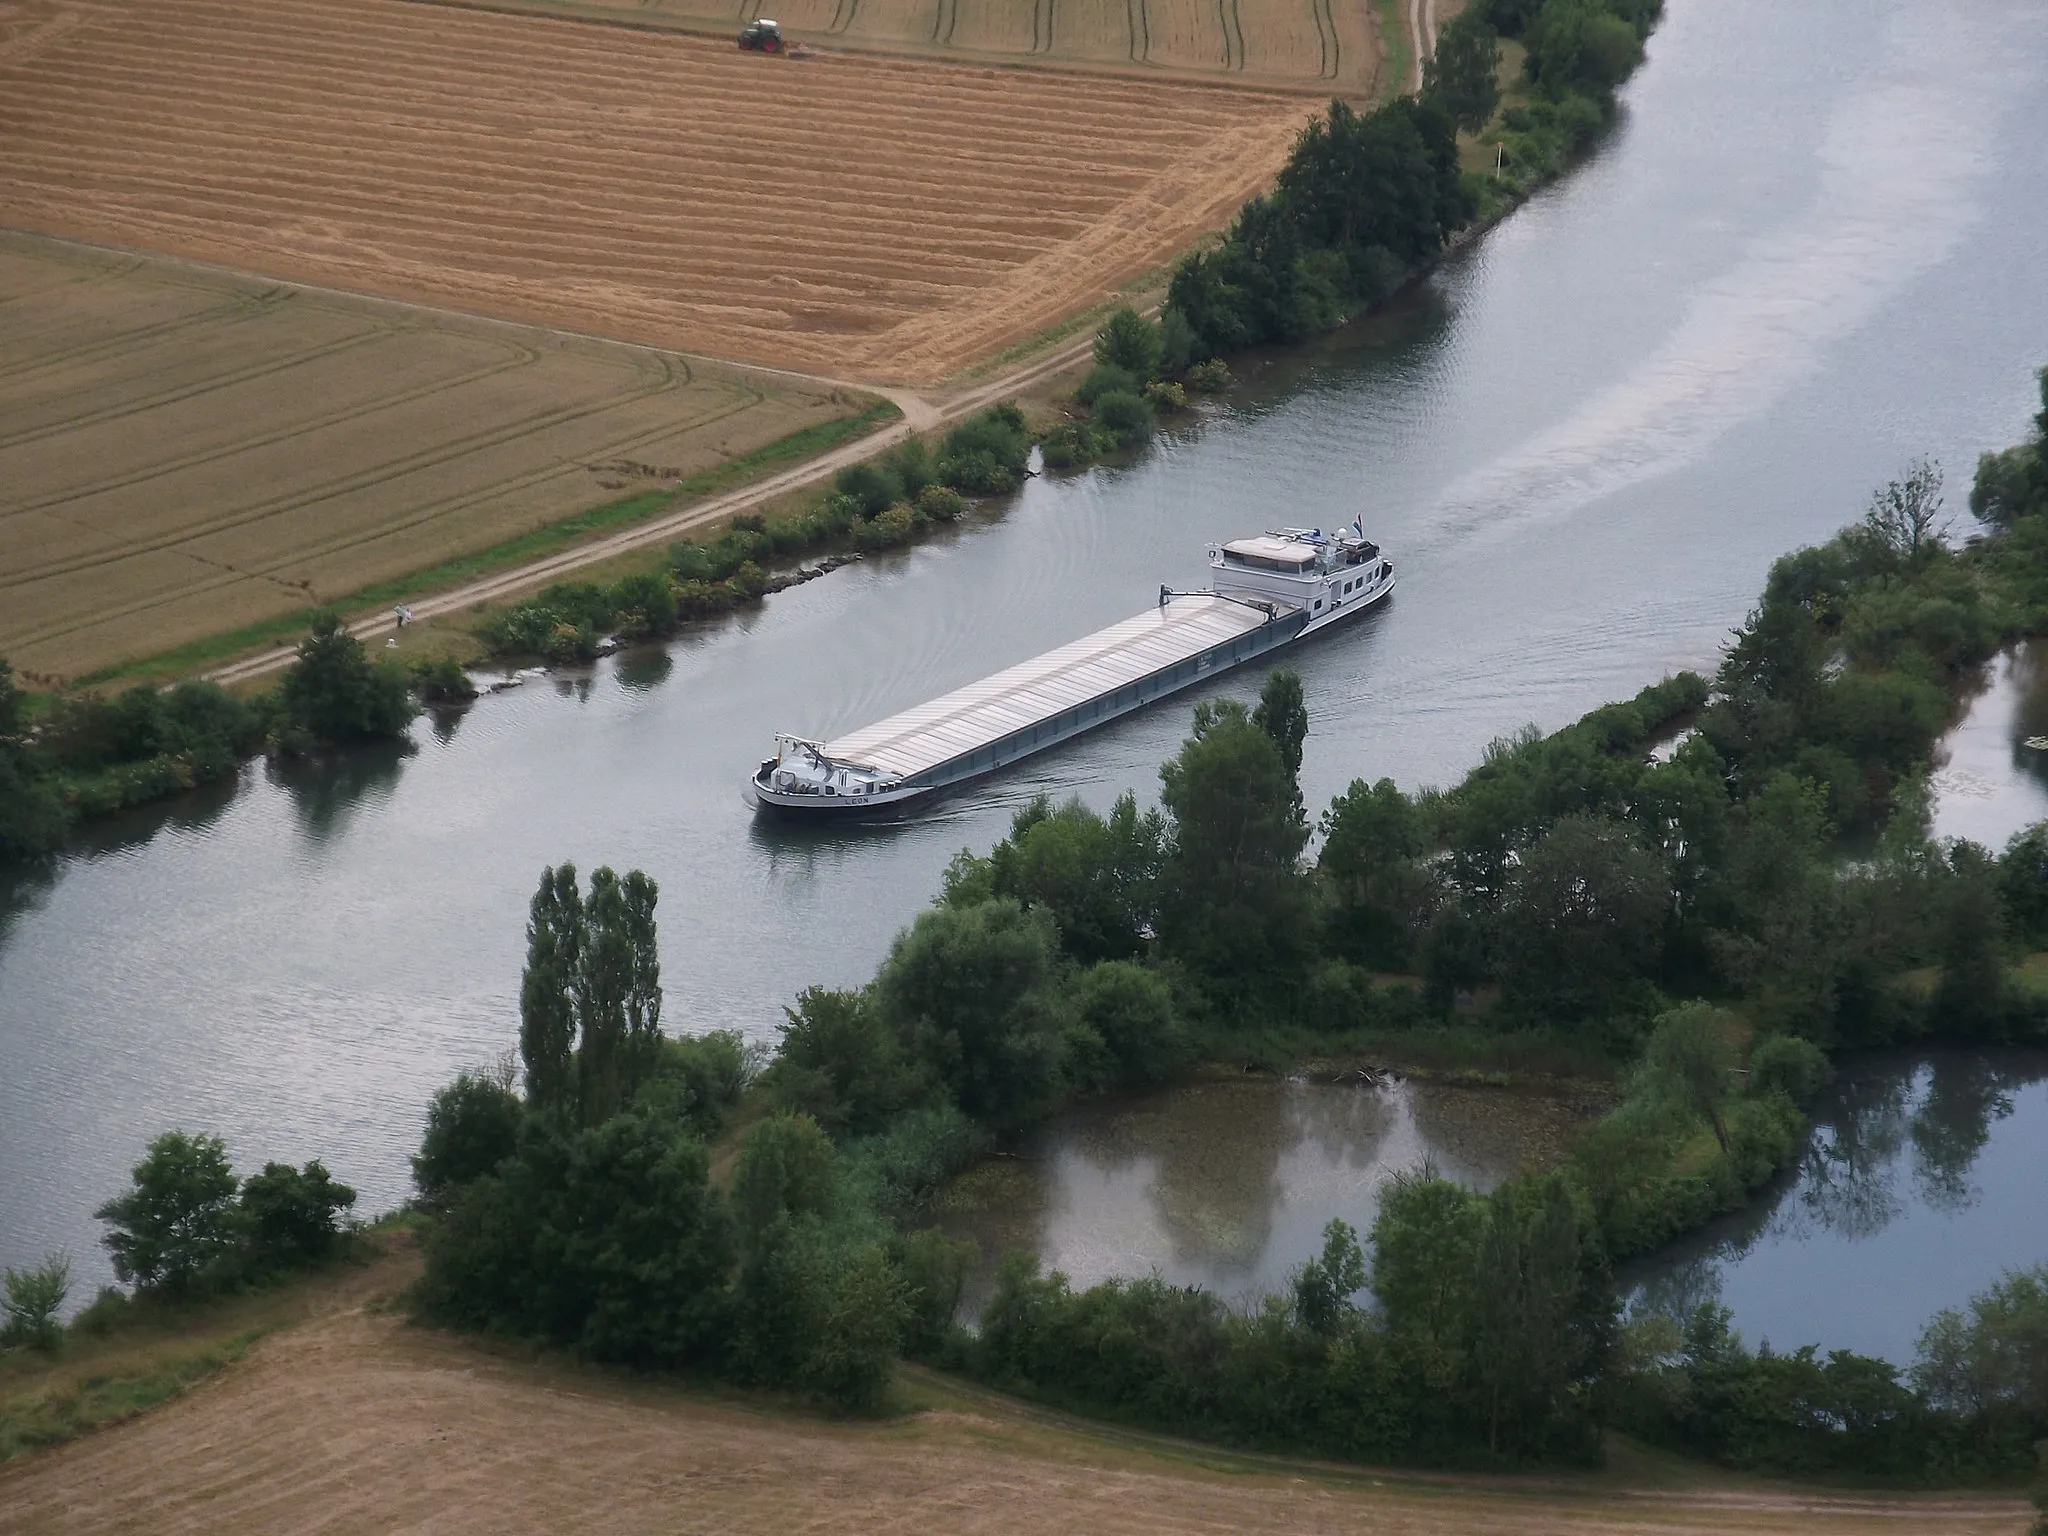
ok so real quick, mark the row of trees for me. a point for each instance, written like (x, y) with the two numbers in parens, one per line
(85, 755)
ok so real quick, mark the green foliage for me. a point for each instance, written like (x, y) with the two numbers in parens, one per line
(334, 694)
(2014, 484)
(590, 997)
(973, 990)
(941, 504)
(608, 1237)
(1131, 1011)
(1233, 900)
(1124, 416)
(1131, 343)
(1107, 378)
(1789, 1065)
(290, 1218)
(786, 1168)
(472, 1126)
(441, 680)
(1460, 75)
(841, 1063)
(176, 1223)
(985, 454)
(870, 486)
(31, 1301)
(934, 1270)
(1993, 1358)
(1689, 1060)
(1372, 868)
(1211, 376)
(1097, 877)
(1323, 1287)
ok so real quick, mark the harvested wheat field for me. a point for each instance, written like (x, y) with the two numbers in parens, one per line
(183, 452)
(879, 218)
(358, 1423)
(1330, 46)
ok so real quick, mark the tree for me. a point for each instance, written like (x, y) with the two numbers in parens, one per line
(786, 1167)
(2014, 484)
(1584, 918)
(841, 1063)
(1425, 1246)
(1129, 341)
(175, 1224)
(472, 1126)
(1461, 74)
(31, 1301)
(1098, 878)
(609, 1238)
(972, 989)
(1323, 1287)
(1969, 998)
(1131, 1011)
(547, 1008)
(1374, 841)
(1904, 518)
(1690, 1059)
(590, 998)
(336, 694)
(290, 1218)
(1282, 714)
(1233, 901)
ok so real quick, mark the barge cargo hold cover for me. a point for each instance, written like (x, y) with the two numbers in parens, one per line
(1037, 703)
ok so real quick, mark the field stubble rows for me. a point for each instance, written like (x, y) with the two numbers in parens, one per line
(184, 452)
(1325, 45)
(856, 216)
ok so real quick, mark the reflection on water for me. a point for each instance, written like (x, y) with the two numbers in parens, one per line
(1228, 1184)
(1990, 783)
(1921, 1183)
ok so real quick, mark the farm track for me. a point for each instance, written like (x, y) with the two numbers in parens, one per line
(863, 217)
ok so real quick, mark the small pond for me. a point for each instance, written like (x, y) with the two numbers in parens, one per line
(1227, 1184)
(1992, 776)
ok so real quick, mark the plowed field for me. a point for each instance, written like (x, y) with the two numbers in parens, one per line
(1330, 46)
(850, 215)
(183, 453)
(358, 1424)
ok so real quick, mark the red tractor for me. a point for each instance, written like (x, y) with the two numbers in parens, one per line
(761, 37)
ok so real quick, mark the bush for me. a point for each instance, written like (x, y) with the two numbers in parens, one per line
(472, 1126)
(871, 487)
(910, 465)
(641, 605)
(1123, 415)
(1209, 378)
(290, 1218)
(176, 1224)
(1106, 378)
(1131, 343)
(1789, 1065)
(31, 1301)
(893, 527)
(986, 454)
(441, 680)
(1132, 1012)
(941, 503)
(1165, 397)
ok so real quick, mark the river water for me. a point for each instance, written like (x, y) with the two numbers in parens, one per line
(1810, 251)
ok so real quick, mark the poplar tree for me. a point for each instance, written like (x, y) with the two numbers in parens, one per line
(604, 977)
(547, 1008)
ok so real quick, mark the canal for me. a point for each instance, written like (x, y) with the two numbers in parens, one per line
(1809, 252)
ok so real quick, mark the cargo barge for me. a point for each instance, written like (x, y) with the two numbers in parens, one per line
(1265, 593)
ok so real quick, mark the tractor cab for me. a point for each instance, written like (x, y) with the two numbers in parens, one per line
(762, 35)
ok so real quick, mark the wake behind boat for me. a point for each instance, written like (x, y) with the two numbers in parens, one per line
(1266, 592)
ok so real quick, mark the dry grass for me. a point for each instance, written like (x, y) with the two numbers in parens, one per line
(184, 453)
(1322, 45)
(849, 215)
(355, 1422)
